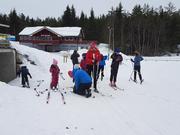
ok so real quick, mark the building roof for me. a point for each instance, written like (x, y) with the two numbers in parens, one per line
(4, 25)
(59, 31)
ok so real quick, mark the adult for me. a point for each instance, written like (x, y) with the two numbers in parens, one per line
(93, 57)
(74, 57)
(82, 81)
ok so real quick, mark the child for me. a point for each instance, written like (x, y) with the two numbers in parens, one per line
(116, 60)
(83, 62)
(102, 63)
(137, 66)
(24, 75)
(54, 69)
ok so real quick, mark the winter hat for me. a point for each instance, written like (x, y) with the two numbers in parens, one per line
(84, 55)
(93, 44)
(75, 51)
(117, 50)
(76, 66)
(136, 52)
(55, 62)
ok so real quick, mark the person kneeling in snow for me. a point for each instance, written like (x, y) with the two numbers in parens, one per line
(54, 69)
(82, 81)
(24, 75)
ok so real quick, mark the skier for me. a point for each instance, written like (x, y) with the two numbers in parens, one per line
(137, 67)
(116, 60)
(102, 63)
(24, 72)
(82, 81)
(74, 57)
(83, 62)
(93, 57)
(54, 69)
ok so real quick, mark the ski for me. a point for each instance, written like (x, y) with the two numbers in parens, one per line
(61, 75)
(137, 81)
(48, 97)
(42, 92)
(118, 88)
(62, 97)
(104, 95)
(39, 82)
(37, 93)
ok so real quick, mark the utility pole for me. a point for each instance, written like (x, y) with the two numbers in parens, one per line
(112, 15)
(109, 28)
(3, 25)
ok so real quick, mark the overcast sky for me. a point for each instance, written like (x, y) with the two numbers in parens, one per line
(55, 8)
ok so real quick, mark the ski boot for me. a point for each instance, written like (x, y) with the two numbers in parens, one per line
(88, 93)
(95, 90)
(141, 81)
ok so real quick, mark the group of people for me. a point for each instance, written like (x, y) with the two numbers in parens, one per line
(87, 71)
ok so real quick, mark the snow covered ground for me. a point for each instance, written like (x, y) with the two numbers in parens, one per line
(152, 108)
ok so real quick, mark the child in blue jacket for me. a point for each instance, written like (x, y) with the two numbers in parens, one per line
(82, 81)
(137, 65)
(102, 63)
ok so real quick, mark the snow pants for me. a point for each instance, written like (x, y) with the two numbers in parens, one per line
(92, 70)
(137, 69)
(82, 88)
(113, 75)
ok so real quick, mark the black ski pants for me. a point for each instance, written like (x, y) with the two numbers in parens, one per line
(24, 80)
(82, 88)
(137, 69)
(113, 75)
(92, 71)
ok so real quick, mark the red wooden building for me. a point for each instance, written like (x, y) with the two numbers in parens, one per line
(53, 38)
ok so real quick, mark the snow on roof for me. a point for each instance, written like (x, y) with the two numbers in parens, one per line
(59, 31)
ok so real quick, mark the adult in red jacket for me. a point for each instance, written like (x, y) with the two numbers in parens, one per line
(54, 69)
(93, 57)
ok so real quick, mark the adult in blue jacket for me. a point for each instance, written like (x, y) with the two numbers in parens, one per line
(82, 81)
(137, 65)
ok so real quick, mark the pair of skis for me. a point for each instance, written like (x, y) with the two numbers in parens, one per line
(117, 88)
(39, 92)
(49, 93)
(39, 83)
(58, 90)
(141, 81)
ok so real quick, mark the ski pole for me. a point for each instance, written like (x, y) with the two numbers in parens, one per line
(62, 95)
(61, 75)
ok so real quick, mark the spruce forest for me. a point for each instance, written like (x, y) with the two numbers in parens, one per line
(151, 31)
